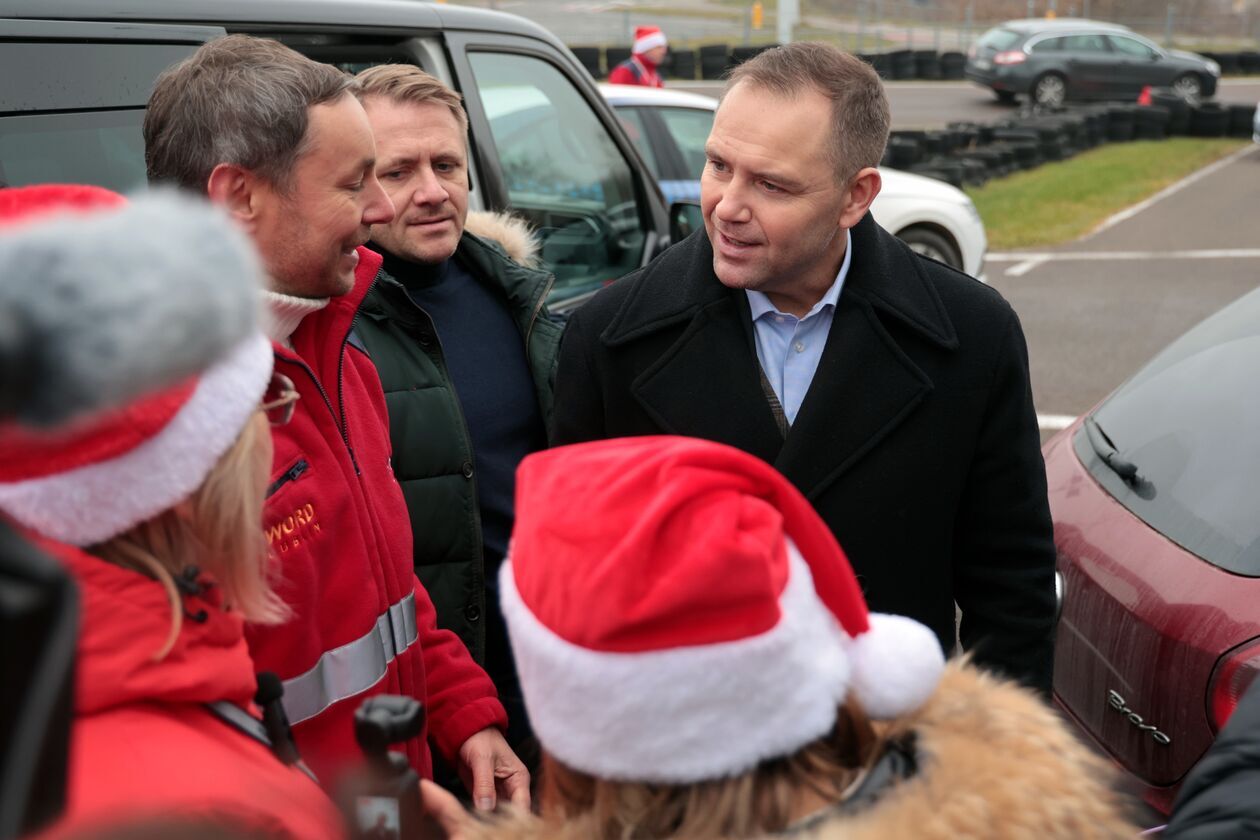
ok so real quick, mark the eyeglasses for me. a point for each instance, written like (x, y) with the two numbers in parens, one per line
(280, 399)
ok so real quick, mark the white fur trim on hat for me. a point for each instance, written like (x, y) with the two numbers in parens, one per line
(684, 714)
(647, 42)
(91, 504)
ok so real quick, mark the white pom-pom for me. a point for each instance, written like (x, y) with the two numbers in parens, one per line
(896, 666)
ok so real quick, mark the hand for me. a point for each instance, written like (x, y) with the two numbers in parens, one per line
(442, 806)
(490, 769)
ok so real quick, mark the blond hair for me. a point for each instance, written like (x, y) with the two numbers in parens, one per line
(761, 801)
(402, 83)
(860, 116)
(219, 531)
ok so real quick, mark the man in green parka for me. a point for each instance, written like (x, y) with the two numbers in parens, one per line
(458, 328)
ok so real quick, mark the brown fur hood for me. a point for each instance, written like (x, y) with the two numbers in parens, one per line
(508, 232)
(997, 762)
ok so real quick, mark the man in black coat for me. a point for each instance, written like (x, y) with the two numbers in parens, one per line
(892, 390)
(1220, 798)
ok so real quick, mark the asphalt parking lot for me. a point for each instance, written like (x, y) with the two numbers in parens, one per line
(1096, 309)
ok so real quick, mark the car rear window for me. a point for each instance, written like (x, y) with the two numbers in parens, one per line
(998, 39)
(1190, 423)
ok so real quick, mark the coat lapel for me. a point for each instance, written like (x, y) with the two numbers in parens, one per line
(866, 385)
(706, 383)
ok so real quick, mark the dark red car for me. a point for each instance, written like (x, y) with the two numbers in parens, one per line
(1156, 503)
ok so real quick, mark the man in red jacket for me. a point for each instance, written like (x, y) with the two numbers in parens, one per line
(646, 55)
(279, 141)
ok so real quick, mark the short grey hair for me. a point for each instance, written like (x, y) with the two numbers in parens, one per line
(860, 117)
(237, 99)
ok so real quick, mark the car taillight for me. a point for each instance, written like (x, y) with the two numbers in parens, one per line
(1010, 57)
(1231, 677)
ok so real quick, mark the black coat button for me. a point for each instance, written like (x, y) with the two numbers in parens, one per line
(472, 612)
(467, 469)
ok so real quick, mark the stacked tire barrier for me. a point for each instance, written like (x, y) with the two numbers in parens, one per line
(712, 61)
(966, 153)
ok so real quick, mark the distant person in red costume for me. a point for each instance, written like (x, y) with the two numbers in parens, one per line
(647, 54)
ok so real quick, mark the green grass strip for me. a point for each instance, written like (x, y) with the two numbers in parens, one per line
(1058, 202)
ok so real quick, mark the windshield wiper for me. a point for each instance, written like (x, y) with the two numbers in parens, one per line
(1106, 450)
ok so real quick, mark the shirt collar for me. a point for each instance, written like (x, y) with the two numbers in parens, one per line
(760, 304)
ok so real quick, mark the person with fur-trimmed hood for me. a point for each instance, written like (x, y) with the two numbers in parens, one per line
(698, 661)
(458, 328)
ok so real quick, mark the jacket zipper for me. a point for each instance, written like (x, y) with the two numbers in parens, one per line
(293, 473)
(538, 307)
(341, 365)
(295, 360)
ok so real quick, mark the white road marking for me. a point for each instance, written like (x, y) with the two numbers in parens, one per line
(1024, 267)
(1054, 422)
(1172, 189)
(1024, 258)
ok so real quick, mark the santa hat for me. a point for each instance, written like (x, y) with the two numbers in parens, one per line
(679, 612)
(104, 475)
(647, 37)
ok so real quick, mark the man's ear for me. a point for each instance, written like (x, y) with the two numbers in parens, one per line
(862, 191)
(235, 189)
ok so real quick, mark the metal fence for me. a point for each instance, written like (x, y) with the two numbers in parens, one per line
(874, 25)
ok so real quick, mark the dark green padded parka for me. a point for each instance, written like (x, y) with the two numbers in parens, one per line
(433, 457)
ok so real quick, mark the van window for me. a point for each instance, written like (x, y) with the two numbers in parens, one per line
(1188, 421)
(104, 148)
(72, 112)
(563, 172)
(1047, 45)
(636, 129)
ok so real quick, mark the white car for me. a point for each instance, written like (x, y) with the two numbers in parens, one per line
(670, 128)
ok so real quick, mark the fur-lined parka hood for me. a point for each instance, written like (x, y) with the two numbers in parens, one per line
(508, 232)
(995, 761)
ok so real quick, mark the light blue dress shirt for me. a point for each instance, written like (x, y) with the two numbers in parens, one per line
(790, 348)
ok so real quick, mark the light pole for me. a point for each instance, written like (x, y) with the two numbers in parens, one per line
(789, 15)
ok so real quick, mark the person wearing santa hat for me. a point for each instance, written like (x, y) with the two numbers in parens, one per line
(698, 661)
(154, 507)
(646, 56)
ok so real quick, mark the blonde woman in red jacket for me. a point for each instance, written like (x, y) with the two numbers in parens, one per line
(155, 510)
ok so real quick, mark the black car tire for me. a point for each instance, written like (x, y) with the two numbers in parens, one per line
(929, 243)
(1189, 86)
(1049, 89)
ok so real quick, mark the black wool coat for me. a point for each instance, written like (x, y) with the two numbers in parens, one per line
(917, 441)
(1220, 798)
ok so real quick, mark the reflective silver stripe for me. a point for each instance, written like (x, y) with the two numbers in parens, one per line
(354, 667)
